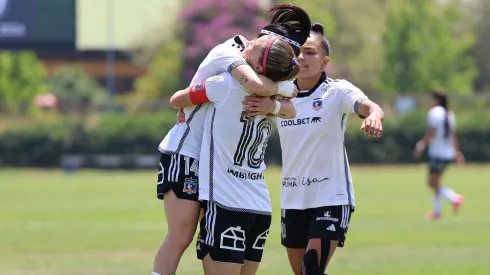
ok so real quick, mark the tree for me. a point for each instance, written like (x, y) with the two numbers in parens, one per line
(21, 79)
(421, 51)
(162, 77)
(481, 50)
(72, 86)
(319, 11)
(210, 22)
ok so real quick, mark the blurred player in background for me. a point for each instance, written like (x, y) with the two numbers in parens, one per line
(177, 178)
(443, 149)
(317, 195)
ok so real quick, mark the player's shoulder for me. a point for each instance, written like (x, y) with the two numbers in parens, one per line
(220, 80)
(437, 111)
(232, 46)
(236, 42)
(340, 85)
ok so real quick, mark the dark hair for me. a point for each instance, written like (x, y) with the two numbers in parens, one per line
(291, 22)
(318, 33)
(442, 101)
(280, 60)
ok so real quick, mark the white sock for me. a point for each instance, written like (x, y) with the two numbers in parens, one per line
(437, 204)
(448, 193)
(154, 273)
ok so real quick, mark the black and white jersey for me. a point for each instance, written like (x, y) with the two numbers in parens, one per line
(441, 145)
(231, 164)
(315, 166)
(185, 138)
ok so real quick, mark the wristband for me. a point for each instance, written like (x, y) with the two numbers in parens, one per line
(285, 88)
(278, 108)
(198, 94)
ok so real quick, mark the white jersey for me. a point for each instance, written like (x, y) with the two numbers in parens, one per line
(232, 155)
(315, 167)
(185, 138)
(441, 146)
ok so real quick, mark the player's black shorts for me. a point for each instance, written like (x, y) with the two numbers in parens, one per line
(179, 174)
(437, 165)
(230, 236)
(328, 222)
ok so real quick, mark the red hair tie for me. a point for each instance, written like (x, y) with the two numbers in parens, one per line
(266, 53)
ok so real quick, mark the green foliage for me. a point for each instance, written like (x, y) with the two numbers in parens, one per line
(21, 79)
(44, 144)
(482, 50)
(72, 84)
(319, 12)
(421, 52)
(162, 78)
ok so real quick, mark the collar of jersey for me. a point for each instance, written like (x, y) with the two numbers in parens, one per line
(323, 78)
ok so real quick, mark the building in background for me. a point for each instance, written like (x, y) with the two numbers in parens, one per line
(111, 29)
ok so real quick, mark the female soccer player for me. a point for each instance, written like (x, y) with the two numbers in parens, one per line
(443, 149)
(178, 177)
(317, 195)
(231, 180)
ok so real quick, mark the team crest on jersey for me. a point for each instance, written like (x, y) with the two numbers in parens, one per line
(199, 87)
(190, 186)
(317, 104)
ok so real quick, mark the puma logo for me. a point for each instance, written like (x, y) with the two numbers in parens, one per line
(316, 120)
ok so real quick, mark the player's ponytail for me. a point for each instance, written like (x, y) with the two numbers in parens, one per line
(441, 98)
(318, 33)
(291, 23)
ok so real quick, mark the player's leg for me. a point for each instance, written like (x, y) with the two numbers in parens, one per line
(182, 217)
(222, 237)
(435, 170)
(448, 193)
(179, 188)
(317, 256)
(295, 225)
(255, 243)
(295, 257)
(328, 230)
(212, 267)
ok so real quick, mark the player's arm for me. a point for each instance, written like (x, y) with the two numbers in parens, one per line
(427, 137)
(227, 60)
(281, 107)
(459, 155)
(212, 90)
(373, 124)
(353, 100)
(259, 84)
(182, 98)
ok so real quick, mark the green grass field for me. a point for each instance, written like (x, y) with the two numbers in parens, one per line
(110, 223)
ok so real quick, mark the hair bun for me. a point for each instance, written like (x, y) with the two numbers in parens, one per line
(317, 27)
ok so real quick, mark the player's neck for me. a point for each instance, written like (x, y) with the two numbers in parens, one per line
(308, 83)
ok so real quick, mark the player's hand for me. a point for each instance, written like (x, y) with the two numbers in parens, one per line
(180, 116)
(372, 126)
(255, 105)
(460, 158)
(295, 93)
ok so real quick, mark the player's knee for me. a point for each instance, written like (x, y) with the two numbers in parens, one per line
(315, 261)
(181, 238)
(310, 262)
